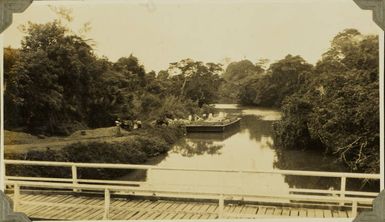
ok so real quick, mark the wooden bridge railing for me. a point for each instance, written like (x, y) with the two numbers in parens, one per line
(342, 197)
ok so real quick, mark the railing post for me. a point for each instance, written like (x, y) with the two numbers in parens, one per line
(106, 204)
(221, 206)
(74, 176)
(16, 196)
(342, 190)
(240, 173)
(354, 209)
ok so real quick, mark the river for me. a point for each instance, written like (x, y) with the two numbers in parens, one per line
(248, 147)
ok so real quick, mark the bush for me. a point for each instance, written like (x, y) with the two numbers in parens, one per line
(135, 150)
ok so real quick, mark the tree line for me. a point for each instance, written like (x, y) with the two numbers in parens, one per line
(55, 84)
(332, 106)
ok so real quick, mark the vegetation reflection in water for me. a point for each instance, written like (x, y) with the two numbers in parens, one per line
(251, 147)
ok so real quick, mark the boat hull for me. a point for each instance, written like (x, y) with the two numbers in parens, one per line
(212, 128)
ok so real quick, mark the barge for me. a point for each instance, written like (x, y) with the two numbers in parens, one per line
(212, 126)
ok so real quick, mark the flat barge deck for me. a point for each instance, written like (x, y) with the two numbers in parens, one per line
(212, 127)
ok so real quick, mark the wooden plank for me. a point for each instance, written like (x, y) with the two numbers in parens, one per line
(187, 216)
(138, 215)
(97, 215)
(328, 214)
(196, 216)
(335, 213)
(342, 214)
(73, 200)
(122, 204)
(45, 213)
(37, 197)
(212, 209)
(158, 206)
(181, 207)
(53, 212)
(179, 216)
(63, 199)
(123, 214)
(294, 212)
(50, 214)
(277, 212)
(205, 216)
(123, 208)
(57, 199)
(167, 206)
(51, 198)
(204, 208)
(249, 210)
(349, 212)
(66, 200)
(170, 216)
(81, 214)
(162, 216)
(69, 213)
(29, 197)
(196, 207)
(153, 215)
(213, 216)
(261, 211)
(35, 209)
(144, 204)
(269, 211)
(302, 212)
(151, 206)
(319, 213)
(80, 211)
(127, 215)
(238, 209)
(286, 212)
(311, 213)
(117, 202)
(135, 205)
(189, 207)
(143, 215)
(229, 208)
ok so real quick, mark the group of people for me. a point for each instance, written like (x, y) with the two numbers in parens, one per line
(127, 125)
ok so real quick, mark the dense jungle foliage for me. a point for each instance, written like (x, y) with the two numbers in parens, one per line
(337, 107)
(55, 84)
(332, 106)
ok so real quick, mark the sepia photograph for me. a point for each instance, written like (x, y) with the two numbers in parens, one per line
(191, 110)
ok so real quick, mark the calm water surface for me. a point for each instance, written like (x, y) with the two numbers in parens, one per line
(250, 147)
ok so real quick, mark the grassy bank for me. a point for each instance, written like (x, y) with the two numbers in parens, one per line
(137, 149)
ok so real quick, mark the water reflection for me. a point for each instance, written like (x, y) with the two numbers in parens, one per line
(190, 147)
(250, 147)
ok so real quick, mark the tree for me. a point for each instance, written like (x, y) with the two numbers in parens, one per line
(197, 81)
(242, 71)
(281, 80)
(49, 84)
(235, 79)
(342, 104)
(11, 56)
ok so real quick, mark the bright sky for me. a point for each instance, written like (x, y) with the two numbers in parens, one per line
(160, 32)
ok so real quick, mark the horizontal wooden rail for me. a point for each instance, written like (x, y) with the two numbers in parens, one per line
(332, 192)
(151, 167)
(197, 195)
(50, 179)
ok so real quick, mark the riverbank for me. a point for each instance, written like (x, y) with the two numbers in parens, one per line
(136, 148)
